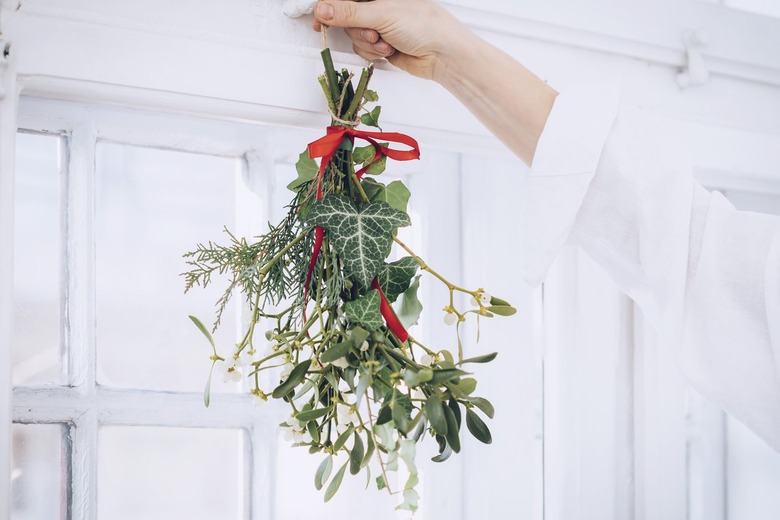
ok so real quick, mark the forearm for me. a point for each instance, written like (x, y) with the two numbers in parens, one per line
(510, 100)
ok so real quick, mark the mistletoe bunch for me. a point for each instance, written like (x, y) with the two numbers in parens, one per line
(359, 386)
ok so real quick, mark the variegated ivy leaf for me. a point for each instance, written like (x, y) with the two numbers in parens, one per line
(362, 237)
(307, 170)
(409, 308)
(396, 276)
(396, 193)
(365, 310)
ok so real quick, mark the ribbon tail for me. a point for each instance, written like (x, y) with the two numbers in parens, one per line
(319, 235)
(393, 323)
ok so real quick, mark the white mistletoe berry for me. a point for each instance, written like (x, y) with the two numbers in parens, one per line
(450, 318)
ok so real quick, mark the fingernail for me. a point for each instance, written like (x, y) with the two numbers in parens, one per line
(364, 34)
(382, 47)
(325, 11)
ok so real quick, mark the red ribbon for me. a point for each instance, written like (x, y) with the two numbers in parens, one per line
(325, 148)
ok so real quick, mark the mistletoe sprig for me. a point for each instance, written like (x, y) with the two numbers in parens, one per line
(362, 391)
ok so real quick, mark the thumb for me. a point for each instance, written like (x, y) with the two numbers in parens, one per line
(348, 14)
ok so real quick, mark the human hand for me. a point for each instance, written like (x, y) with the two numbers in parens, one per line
(418, 36)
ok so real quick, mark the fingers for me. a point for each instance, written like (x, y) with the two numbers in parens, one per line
(348, 14)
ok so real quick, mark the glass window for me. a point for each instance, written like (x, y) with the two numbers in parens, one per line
(152, 206)
(37, 260)
(38, 470)
(163, 473)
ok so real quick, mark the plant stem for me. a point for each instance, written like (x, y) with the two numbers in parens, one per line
(330, 74)
(378, 451)
(365, 77)
(267, 267)
(425, 267)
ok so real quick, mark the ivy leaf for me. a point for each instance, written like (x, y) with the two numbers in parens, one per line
(477, 427)
(409, 306)
(365, 310)
(372, 118)
(396, 193)
(371, 96)
(395, 277)
(362, 237)
(363, 154)
(307, 171)
(377, 167)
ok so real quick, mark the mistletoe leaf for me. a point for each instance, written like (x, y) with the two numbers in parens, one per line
(362, 237)
(409, 308)
(484, 405)
(307, 171)
(205, 331)
(371, 118)
(434, 410)
(365, 310)
(477, 427)
(356, 455)
(396, 277)
(295, 378)
(323, 472)
(335, 352)
(335, 483)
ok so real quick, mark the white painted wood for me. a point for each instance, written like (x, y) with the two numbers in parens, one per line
(587, 394)
(8, 110)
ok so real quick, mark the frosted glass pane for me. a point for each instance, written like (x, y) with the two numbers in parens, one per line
(37, 474)
(753, 475)
(153, 206)
(163, 473)
(37, 260)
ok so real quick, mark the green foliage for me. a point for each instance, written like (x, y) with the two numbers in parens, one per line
(365, 310)
(355, 390)
(362, 237)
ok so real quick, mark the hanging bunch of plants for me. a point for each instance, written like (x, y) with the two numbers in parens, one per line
(362, 391)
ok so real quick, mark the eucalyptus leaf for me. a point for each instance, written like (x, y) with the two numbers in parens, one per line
(334, 485)
(323, 472)
(307, 171)
(296, 376)
(477, 427)
(362, 237)
(365, 310)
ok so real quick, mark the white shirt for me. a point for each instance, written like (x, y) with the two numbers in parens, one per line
(707, 276)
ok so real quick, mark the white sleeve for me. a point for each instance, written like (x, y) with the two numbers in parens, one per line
(706, 275)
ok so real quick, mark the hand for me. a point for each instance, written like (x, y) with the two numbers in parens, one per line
(418, 36)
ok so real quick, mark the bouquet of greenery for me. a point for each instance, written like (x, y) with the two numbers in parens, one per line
(356, 381)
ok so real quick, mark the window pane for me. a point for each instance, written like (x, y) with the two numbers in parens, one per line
(37, 471)
(753, 472)
(37, 260)
(163, 473)
(153, 206)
